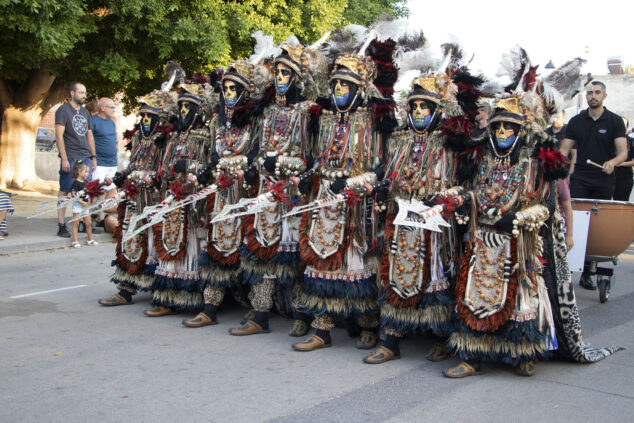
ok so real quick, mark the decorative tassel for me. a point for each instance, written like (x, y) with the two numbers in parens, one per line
(94, 189)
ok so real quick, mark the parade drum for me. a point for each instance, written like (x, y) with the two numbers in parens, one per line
(611, 228)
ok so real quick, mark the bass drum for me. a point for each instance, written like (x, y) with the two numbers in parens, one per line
(611, 228)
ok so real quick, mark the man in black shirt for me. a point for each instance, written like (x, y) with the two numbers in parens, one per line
(599, 137)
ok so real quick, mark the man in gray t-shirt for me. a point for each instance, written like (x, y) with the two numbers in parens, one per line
(73, 133)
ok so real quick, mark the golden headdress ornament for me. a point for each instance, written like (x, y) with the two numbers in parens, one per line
(355, 69)
(510, 108)
(293, 57)
(241, 73)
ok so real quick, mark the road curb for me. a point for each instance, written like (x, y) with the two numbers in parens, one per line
(30, 247)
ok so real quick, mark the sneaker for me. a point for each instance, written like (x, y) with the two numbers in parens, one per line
(62, 231)
(96, 231)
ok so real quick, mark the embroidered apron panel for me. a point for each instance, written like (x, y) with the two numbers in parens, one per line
(489, 273)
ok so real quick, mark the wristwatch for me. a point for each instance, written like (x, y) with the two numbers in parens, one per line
(93, 157)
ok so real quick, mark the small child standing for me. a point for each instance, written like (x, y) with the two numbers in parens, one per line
(80, 173)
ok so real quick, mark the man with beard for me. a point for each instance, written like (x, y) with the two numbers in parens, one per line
(73, 133)
(599, 137)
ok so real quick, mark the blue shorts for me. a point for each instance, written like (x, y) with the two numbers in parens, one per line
(66, 178)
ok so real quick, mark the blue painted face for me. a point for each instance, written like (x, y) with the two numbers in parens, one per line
(505, 135)
(146, 123)
(283, 77)
(341, 93)
(230, 91)
(420, 114)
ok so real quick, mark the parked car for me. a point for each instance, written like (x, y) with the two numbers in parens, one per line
(45, 139)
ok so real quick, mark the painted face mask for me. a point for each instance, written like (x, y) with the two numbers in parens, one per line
(230, 92)
(184, 112)
(505, 135)
(420, 114)
(147, 123)
(283, 77)
(341, 93)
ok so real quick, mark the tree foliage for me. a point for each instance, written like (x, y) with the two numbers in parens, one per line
(122, 45)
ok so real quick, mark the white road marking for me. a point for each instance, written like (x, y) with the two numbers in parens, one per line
(49, 291)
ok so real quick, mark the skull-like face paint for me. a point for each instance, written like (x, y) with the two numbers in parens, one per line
(341, 92)
(420, 112)
(148, 122)
(230, 91)
(504, 134)
(283, 77)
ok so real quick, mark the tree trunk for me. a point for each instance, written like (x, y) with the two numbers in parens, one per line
(23, 106)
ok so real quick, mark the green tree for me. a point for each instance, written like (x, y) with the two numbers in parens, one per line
(364, 12)
(114, 46)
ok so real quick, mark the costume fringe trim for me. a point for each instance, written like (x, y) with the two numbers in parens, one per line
(321, 286)
(436, 318)
(343, 307)
(177, 300)
(139, 282)
(217, 275)
(511, 344)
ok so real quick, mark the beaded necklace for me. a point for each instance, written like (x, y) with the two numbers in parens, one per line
(231, 140)
(497, 184)
(277, 128)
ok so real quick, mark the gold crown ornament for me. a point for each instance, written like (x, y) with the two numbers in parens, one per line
(428, 88)
(293, 57)
(509, 109)
(355, 69)
(241, 73)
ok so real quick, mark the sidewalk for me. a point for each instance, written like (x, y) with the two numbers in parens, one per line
(39, 233)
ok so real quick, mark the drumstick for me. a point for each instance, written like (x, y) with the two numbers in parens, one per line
(594, 164)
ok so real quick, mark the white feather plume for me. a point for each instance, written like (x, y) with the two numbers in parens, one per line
(264, 48)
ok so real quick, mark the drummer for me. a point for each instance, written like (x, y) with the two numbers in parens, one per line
(599, 137)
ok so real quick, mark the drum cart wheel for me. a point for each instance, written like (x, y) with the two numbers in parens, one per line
(604, 276)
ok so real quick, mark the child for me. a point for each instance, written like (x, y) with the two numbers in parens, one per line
(80, 173)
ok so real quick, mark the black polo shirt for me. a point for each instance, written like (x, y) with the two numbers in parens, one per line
(594, 140)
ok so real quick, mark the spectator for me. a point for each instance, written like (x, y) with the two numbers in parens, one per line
(599, 138)
(623, 171)
(558, 128)
(105, 134)
(81, 170)
(6, 208)
(73, 133)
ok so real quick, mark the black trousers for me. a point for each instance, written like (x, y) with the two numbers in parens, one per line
(595, 189)
(623, 187)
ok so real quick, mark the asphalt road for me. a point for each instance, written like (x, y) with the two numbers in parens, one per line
(67, 359)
